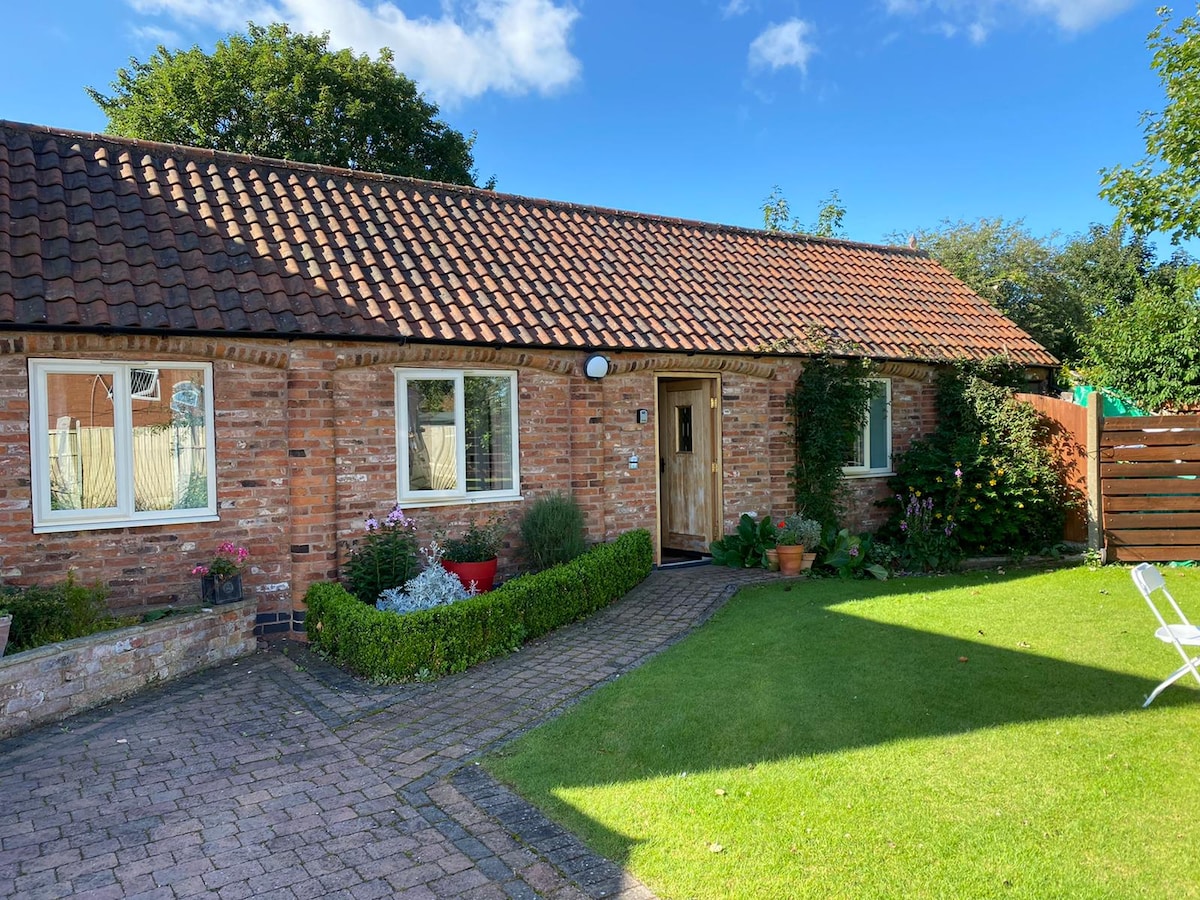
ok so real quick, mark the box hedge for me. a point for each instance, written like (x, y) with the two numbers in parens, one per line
(385, 646)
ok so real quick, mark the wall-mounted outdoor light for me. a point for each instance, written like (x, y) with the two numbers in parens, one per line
(596, 366)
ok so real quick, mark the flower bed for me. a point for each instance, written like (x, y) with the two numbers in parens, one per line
(385, 646)
(54, 681)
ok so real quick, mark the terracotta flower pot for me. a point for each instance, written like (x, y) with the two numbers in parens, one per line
(5, 625)
(772, 560)
(482, 573)
(809, 559)
(791, 558)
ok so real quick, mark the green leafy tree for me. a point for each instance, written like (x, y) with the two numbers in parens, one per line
(777, 215)
(274, 93)
(1161, 192)
(1015, 272)
(1149, 350)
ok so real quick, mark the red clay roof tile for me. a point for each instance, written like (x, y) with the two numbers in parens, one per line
(138, 235)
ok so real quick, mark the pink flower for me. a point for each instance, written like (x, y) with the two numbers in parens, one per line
(200, 570)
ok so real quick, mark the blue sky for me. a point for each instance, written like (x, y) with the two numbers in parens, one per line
(914, 110)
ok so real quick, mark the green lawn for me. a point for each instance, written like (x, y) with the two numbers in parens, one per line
(967, 736)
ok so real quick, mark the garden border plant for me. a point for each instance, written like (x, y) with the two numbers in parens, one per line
(387, 647)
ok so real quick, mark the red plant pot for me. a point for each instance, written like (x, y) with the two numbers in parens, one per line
(482, 573)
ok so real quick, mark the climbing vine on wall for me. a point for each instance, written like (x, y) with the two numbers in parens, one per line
(828, 408)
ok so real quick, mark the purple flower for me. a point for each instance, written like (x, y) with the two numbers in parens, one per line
(854, 551)
(903, 526)
(372, 523)
(958, 473)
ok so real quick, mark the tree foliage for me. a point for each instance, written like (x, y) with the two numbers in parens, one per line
(1161, 192)
(277, 94)
(1015, 272)
(777, 215)
(1149, 350)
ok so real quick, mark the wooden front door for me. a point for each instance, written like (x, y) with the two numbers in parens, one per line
(688, 477)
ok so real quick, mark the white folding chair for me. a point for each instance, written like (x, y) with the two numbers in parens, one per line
(1180, 634)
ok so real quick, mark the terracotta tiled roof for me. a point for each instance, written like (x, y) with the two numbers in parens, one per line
(99, 232)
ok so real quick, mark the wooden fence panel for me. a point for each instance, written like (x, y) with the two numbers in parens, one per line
(1150, 484)
(1068, 444)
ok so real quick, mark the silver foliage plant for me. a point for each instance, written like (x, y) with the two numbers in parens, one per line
(434, 586)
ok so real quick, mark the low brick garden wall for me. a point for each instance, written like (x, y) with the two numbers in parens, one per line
(58, 680)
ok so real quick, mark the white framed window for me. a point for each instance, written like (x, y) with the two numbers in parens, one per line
(872, 450)
(119, 444)
(456, 435)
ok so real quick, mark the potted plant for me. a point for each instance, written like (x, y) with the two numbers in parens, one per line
(221, 577)
(793, 534)
(473, 555)
(5, 625)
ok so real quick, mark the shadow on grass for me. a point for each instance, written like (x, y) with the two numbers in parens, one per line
(775, 677)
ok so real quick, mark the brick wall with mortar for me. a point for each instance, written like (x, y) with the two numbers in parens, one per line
(306, 450)
(151, 565)
(58, 680)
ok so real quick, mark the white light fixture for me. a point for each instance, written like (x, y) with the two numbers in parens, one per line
(596, 366)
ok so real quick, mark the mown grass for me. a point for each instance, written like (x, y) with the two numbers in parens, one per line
(967, 736)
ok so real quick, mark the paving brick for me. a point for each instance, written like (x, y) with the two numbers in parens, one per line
(327, 805)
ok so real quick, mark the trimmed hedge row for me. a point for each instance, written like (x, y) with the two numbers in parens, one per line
(388, 647)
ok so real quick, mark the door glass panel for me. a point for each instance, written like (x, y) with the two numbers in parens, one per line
(81, 448)
(488, 425)
(170, 452)
(432, 435)
(683, 429)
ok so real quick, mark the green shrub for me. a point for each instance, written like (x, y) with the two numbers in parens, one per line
(386, 557)
(385, 646)
(986, 467)
(552, 531)
(46, 614)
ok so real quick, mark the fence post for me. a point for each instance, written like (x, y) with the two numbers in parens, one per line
(1094, 511)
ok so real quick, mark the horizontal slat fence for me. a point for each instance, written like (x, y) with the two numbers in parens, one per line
(1150, 487)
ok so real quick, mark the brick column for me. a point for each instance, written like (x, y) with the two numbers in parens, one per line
(311, 473)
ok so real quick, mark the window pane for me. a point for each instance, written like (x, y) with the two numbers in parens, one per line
(683, 429)
(878, 426)
(82, 452)
(432, 436)
(488, 423)
(170, 439)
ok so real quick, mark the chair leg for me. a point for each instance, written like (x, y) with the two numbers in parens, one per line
(1189, 666)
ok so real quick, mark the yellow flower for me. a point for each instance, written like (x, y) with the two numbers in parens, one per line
(949, 518)
(992, 482)
(937, 515)
(938, 479)
(983, 441)
(977, 506)
(1020, 506)
(999, 471)
(916, 493)
(978, 486)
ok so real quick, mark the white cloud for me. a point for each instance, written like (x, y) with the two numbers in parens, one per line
(785, 44)
(152, 34)
(976, 18)
(476, 46)
(735, 8)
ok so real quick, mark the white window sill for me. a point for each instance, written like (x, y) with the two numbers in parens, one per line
(887, 473)
(96, 525)
(407, 503)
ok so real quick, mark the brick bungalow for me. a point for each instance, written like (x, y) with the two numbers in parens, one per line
(198, 347)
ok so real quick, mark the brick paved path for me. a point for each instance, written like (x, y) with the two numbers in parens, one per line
(280, 777)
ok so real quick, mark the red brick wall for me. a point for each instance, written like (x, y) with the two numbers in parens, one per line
(306, 450)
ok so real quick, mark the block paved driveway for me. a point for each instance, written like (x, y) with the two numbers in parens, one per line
(280, 777)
